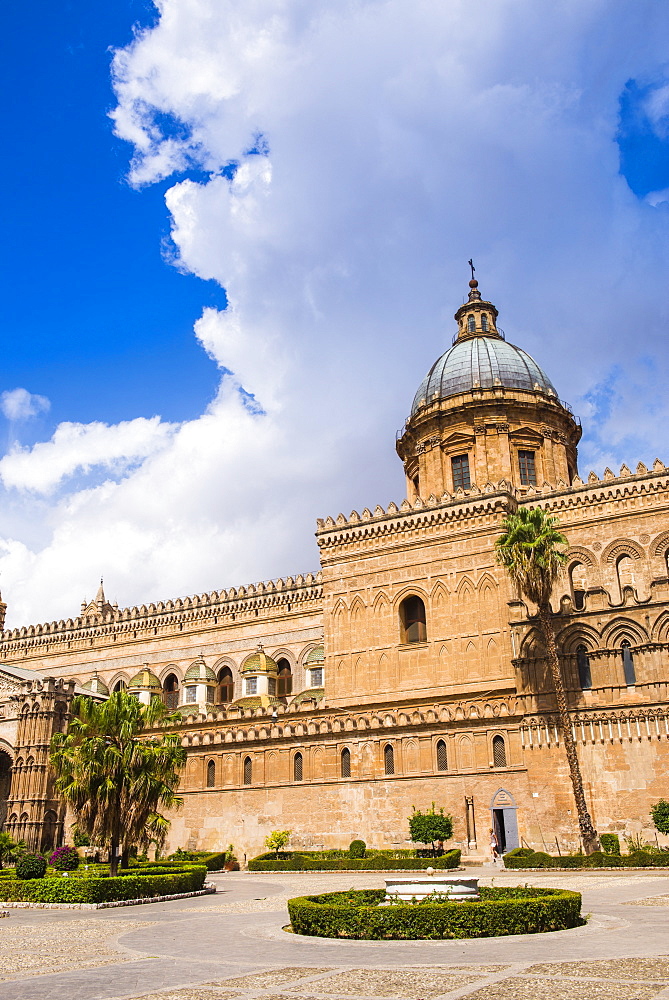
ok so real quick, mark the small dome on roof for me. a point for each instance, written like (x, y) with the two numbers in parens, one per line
(257, 701)
(95, 685)
(199, 671)
(259, 663)
(315, 656)
(311, 694)
(145, 680)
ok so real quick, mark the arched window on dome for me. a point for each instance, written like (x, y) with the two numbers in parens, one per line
(484, 323)
(412, 620)
(583, 665)
(284, 683)
(226, 686)
(628, 662)
(211, 774)
(171, 691)
(471, 324)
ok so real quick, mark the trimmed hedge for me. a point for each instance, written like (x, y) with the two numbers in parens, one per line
(85, 888)
(501, 911)
(372, 862)
(524, 858)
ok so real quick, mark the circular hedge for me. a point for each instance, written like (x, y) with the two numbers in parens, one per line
(357, 914)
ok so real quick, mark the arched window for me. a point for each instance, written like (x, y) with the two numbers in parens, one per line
(345, 768)
(583, 664)
(498, 751)
(578, 585)
(412, 618)
(442, 756)
(484, 322)
(120, 686)
(625, 571)
(284, 684)
(226, 686)
(248, 770)
(628, 662)
(211, 774)
(471, 324)
(171, 691)
(388, 759)
(297, 767)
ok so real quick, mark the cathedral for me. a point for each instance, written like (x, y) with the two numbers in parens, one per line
(406, 670)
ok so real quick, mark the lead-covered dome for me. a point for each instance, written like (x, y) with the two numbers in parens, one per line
(481, 362)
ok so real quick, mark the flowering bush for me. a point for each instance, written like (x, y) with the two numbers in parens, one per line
(31, 866)
(64, 859)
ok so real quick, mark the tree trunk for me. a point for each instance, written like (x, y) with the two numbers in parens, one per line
(113, 859)
(125, 857)
(589, 835)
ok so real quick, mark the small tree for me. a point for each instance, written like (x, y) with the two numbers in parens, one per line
(660, 814)
(430, 827)
(277, 840)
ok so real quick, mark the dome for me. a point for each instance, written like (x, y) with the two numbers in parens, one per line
(481, 362)
(311, 694)
(259, 663)
(145, 680)
(95, 685)
(315, 655)
(199, 671)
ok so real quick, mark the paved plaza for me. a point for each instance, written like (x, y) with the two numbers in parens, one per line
(232, 945)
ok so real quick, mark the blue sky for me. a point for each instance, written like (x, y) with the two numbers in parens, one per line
(177, 446)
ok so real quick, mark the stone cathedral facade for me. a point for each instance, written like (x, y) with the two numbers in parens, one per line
(406, 670)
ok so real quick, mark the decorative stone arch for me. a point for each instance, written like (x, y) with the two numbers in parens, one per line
(118, 678)
(283, 653)
(532, 646)
(660, 544)
(577, 553)
(358, 607)
(577, 635)
(465, 584)
(504, 819)
(660, 631)
(623, 628)
(380, 602)
(410, 591)
(165, 672)
(487, 580)
(621, 547)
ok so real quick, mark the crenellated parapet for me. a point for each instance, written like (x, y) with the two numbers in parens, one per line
(267, 599)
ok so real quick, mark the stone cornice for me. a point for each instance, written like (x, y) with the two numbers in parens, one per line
(197, 612)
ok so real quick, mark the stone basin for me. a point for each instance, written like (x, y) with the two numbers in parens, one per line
(418, 887)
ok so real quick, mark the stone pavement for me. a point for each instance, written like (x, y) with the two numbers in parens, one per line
(232, 946)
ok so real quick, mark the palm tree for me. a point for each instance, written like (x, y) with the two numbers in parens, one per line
(114, 774)
(529, 551)
(10, 849)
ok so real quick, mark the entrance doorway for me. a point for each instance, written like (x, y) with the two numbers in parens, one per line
(504, 820)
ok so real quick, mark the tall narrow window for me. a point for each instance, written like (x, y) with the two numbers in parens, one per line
(297, 767)
(460, 472)
(388, 759)
(578, 585)
(226, 686)
(471, 324)
(628, 662)
(251, 685)
(171, 691)
(583, 664)
(284, 685)
(625, 570)
(316, 677)
(120, 686)
(484, 322)
(412, 618)
(498, 751)
(346, 763)
(527, 468)
(211, 774)
(442, 756)
(248, 770)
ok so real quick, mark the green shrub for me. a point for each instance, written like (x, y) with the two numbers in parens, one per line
(357, 914)
(372, 862)
(357, 848)
(65, 859)
(31, 866)
(638, 859)
(430, 827)
(610, 843)
(86, 888)
(660, 815)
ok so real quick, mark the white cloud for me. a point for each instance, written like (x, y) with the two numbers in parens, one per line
(19, 404)
(80, 448)
(403, 139)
